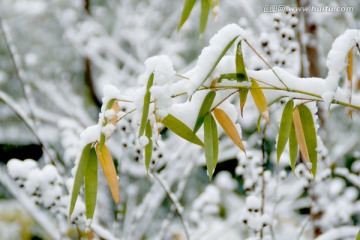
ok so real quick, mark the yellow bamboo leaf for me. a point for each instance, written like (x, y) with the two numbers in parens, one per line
(109, 170)
(349, 72)
(229, 127)
(260, 100)
(116, 109)
(300, 135)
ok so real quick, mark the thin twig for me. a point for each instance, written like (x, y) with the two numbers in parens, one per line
(175, 204)
(7, 100)
(11, 49)
(267, 64)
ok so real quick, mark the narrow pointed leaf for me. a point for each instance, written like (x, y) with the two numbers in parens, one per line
(229, 127)
(243, 96)
(108, 167)
(145, 112)
(204, 15)
(188, 6)
(240, 65)
(181, 129)
(260, 100)
(349, 71)
(149, 146)
(293, 146)
(300, 137)
(211, 143)
(204, 109)
(285, 128)
(307, 122)
(91, 183)
(79, 176)
(358, 236)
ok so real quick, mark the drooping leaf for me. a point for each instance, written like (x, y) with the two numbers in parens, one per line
(293, 146)
(243, 96)
(108, 167)
(149, 146)
(211, 143)
(240, 65)
(181, 129)
(205, 10)
(79, 176)
(358, 236)
(300, 137)
(188, 6)
(205, 108)
(285, 128)
(145, 112)
(349, 71)
(308, 124)
(229, 127)
(260, 100)
(91, 183)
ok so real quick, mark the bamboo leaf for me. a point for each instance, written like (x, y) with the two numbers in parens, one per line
(211, 143)
(149, 146)
(260, 100)
(91, 183)
(188, 6)
(145, 112)
(243, 96)
(358, 236)
(229, 127)
(240, 65)
(181, 129)
(349, 71)
(285, 128)
(108, 167)
(204, 15)
(293, 146)
(300, 135)
(204, 109)
(79, 176)
(308, 124)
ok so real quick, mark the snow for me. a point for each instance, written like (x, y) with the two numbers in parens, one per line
(143, 140)
(210, 54)
(336, 61)
(108, 130)
(253, 203)
(90, 135)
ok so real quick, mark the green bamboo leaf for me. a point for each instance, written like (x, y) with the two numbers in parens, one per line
(204, 15)
(240, 65)
(211, 143)
(358, 236)
(308, 125)
(181, 129)
(243, 96)
(149, 146)
(145, 112)
(285, 128)
(293, 146)
(205, 108)
(91, 183)
(79, 176)
(188, 6)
